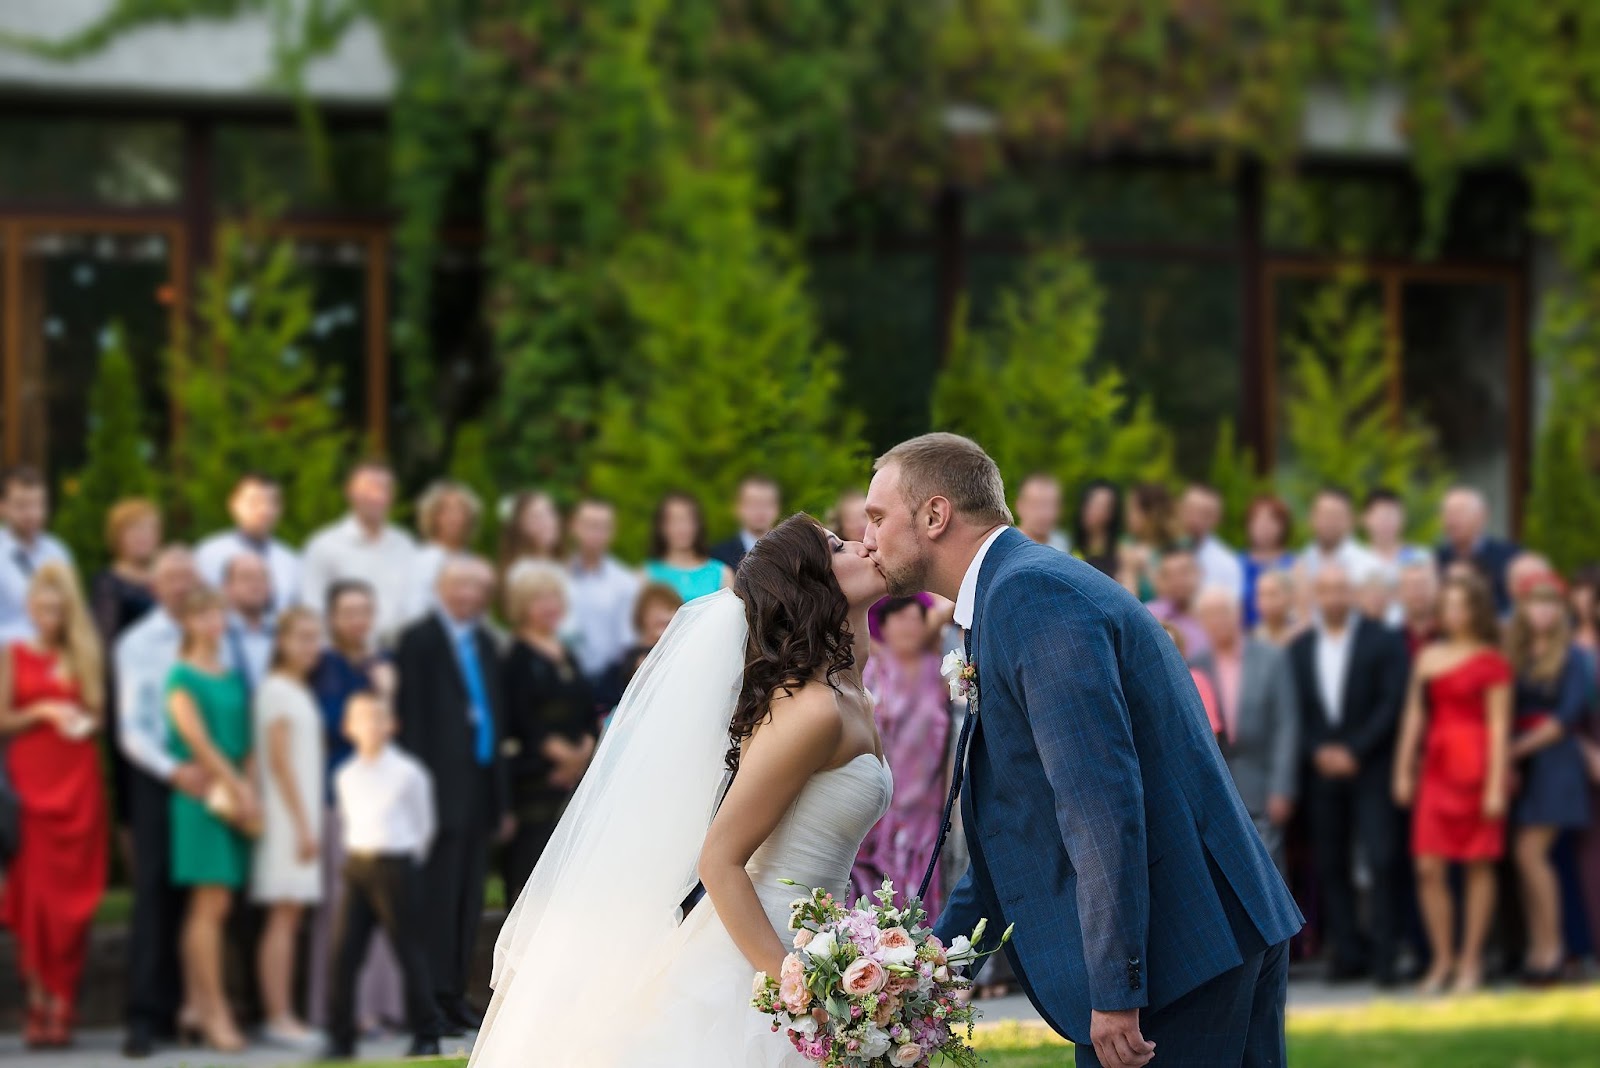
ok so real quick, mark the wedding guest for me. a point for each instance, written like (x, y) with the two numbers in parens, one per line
(450, 707)
(1418, 594)
(757, 508)
(1038, 507)
(1332, 521)
(1552, 697)
(1584, 603)
(912, 703)
(1464, 518)
(145, 656)
(1199, 516)
(285, 876)
(532, 531)
(348, 666)
(210, 712)
(678, 554)
(386, 812)
(1350, 677)
(1258, 717)
(364, 545)
(256, 506)
(1383, 519)
(120, 596)
(51, 697)
(1377, 597)
(652, 614)
(1179, 579)
(1451, 769)
(1589, 840)
(602, 591)
(1269, 526)
(249, 637)
(850, 515)
(1152, 530)
(1097, 527)
(448, 514)
(551, 721)
(1201, 679)
(25, 546)
(1274, 603)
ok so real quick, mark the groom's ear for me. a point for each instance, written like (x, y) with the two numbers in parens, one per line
(936, 517)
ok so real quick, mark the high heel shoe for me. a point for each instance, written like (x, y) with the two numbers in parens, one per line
(191, 1029)
(35, 1030)
(221, 1036)
(1433, 984)
(59, 1018)
(1468, 981)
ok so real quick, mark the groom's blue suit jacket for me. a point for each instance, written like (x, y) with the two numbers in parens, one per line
(1100, 815)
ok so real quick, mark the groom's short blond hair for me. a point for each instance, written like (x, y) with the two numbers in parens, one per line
(952, 467)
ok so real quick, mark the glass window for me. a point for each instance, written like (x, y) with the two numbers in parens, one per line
(259, 164)
(1104, 203)
(76, 161)
(340, 319)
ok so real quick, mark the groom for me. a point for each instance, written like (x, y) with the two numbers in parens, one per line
(1099, 813)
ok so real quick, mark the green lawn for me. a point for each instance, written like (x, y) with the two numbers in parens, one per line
(1544, 1030)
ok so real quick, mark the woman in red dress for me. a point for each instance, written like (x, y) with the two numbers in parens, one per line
(1458, 713)
(51, 699)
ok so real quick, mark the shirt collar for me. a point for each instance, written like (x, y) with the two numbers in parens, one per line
(748, 539)
(966, 599)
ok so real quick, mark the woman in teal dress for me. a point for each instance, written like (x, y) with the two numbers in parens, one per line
(678, 556)
(210, 712)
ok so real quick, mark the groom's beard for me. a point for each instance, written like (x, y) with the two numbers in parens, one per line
(909, 579)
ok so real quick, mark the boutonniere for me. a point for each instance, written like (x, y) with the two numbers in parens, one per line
(962, 676)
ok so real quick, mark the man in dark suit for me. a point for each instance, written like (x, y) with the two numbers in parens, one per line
(757, 507)
(1464, 517)
(1100, 817)
(1350, 674)
(449, 704)
(1259, 731)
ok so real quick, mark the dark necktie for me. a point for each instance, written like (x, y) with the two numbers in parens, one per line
(960, 773)
(24, 563)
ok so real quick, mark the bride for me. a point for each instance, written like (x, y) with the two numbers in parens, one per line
(606, 959)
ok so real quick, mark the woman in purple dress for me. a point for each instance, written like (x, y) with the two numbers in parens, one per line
(913, 711)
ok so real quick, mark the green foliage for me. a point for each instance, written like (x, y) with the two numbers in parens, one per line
(1235, 475)
(1028, 389)
(470, 465)
(251, 398)
(728, 376)
(119, 458)
(1563, 506)
(1342, 429)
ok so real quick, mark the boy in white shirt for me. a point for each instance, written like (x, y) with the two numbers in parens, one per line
(385, 800)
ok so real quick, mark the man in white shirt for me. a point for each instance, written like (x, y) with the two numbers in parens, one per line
(365, 545)
(1038, 508)
(1200, 513)
(1332, 523)
(757, 507)
(25, 545)
(256, 506)
(145, 656)
(247, 643)
(602, 591)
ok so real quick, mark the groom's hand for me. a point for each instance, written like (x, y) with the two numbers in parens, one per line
(1117, 1041)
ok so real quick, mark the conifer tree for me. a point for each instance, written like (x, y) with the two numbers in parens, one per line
(1234, 476)
(1028, 388)
(1562, 516)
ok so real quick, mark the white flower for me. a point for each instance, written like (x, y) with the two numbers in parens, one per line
(960, 951)
(805, 1025)
(895, 946)
(955, 662)
(875, 1042)
(823, 947)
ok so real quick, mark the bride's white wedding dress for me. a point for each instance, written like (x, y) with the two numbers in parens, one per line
(594, 967)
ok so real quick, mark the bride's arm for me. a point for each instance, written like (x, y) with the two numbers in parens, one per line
(799, 740)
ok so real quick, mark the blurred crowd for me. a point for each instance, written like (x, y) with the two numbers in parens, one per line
(322, 757)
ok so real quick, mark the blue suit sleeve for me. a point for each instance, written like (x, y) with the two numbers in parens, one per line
(1062, 660)
(962, 912)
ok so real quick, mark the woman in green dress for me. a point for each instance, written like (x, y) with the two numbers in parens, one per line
(210, 711)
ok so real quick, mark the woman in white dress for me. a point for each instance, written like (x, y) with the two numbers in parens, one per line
(286, 875)
(607, 959)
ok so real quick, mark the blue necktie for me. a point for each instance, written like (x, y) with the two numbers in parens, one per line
(956, 779)
(472, 673)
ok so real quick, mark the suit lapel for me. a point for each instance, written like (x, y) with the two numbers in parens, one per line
(447, 645)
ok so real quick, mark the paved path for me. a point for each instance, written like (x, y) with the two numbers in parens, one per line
(101, 1048)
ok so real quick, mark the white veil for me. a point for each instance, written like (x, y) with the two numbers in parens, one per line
(604, 900)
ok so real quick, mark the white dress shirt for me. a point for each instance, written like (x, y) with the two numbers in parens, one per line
(145, 655)
(18, 563)
(967, 598)
(387, 562)
(211, 558)
(601, 613)
(385, 804)
(1358, 562)
(1219, 566)
(1333, 666)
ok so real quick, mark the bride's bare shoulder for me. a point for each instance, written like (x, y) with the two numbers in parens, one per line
(807, 715)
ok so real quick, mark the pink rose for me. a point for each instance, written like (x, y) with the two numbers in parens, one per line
(894, 938)
(905, 1056)
(803, 937)
(864, 976)
(795, 996)
(792, 969)
(899, 984)
(887, 1008)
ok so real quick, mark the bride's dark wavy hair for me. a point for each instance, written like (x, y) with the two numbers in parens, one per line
(798, 617)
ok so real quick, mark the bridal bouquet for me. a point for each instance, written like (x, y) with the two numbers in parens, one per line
(871, 987)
